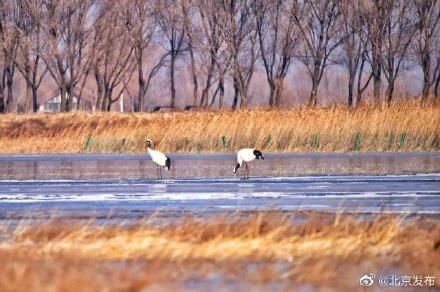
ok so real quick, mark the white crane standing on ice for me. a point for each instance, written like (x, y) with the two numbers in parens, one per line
(160, 159)
(246, 155)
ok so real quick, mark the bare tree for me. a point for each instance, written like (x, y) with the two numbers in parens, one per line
(399, 31)
(9, 41)
(374, 14)
(223, 64)
(239, 33)
(278, 37)
(218, 44)
(428, 19)
(211, 51)
(142, 24)
(188, 14)
(361, 88)
(318, 22)
(171, 22)
(67, 26)
(114, 65)
(353, 49)
(28, 59)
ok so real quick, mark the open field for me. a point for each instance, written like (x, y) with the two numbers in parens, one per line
(400, 127)
(257, 250)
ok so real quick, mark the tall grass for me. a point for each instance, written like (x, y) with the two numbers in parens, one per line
(400, 127)
(318, 249)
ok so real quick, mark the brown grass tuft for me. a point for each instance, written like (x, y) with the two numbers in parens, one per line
(254, 250)
(400, 127)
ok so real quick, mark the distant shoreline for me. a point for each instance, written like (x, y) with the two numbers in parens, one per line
(400, 127)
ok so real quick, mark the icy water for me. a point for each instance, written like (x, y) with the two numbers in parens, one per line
(124, 186)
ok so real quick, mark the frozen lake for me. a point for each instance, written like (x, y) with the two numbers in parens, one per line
(123, 186)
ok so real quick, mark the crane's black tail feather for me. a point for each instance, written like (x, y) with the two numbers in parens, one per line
(235, 168)
(168, 163)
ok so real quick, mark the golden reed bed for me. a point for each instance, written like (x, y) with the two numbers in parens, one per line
(247, 251)
(400, 127)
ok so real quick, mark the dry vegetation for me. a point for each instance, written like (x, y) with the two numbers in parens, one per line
(401, 127)
(289, 249)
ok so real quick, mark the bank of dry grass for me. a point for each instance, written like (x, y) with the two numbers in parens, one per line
(400, 127)
(253, 250)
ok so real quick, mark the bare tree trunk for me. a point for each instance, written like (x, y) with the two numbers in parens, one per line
(10, 99)
(26, 74)
(28, 101)
(272, 93)
(236, 94)
(63, 104)
(390, 91)
(9, 83)
(352, 68)
(69, 97)
(242, 89)
(279, 91)
(2, 88)
(391, 77)
(99, 90)
(350, 88)
(376, 67)
(313, 101)
(194, 77)
(34, 99)
(109, 102)
(2, 102)
(83, 84)
(436, 89)
(360, 88)
(220, 91)
(141, 80)
(204, 97)
(243, 98)
(105, 101)
(64, 98)
(426, 67)
(173, 88)
(221, 85)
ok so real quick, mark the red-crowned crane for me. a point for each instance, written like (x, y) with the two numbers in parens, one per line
(160, 159)
(245, 155)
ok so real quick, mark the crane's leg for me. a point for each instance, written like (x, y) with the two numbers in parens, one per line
(247, 171)
(160, 170)
(157, 172)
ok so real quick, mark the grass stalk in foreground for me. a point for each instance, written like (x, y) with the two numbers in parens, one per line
(254, 250)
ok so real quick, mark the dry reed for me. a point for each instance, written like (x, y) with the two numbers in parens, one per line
(400, 127)
(255, 250)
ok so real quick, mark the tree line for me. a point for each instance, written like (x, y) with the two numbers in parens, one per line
(222, 42)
